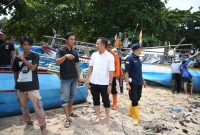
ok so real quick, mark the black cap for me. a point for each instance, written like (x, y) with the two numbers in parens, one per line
(136, 46)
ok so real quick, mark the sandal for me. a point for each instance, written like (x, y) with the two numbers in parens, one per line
(74, 115)
(28, 125)
(67, 123)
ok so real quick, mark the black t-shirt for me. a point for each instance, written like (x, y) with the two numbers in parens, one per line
(27, 79)
(5, 50)
(68, 67)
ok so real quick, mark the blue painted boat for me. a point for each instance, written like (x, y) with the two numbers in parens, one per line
(49, 86)
(47, 61)
(161, 74)
(49, 90)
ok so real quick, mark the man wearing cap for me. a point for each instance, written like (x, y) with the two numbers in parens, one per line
(7, 51)
(176, 76)
(134, 80)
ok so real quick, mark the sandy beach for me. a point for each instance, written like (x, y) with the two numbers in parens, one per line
(161, 112)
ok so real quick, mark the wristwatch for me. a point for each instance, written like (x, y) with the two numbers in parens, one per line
(110, 84)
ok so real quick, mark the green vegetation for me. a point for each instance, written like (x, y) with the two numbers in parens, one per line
(90, 19)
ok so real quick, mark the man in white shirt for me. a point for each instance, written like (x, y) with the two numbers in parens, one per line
(100, 76)
(176, 76)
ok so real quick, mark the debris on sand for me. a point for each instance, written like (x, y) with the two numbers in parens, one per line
(185, 131)
(150, 127)
(195, 105)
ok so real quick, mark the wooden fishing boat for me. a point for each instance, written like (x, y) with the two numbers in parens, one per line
(161, 74)
(49, 90)
(48, 74)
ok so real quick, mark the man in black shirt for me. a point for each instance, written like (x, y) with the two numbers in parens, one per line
(27, 85)
(7, 51)
(68, 60)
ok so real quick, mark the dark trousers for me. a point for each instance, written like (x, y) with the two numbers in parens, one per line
(135, 94)
(176, 82)
(120, 80)
(96, 91)
(114, 90)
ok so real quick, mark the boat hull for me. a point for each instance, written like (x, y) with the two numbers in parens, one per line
(49, 91)
(162, 75)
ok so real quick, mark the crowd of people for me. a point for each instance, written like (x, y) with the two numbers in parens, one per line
(104, 71)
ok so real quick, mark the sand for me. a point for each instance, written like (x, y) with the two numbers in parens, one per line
(161, 112)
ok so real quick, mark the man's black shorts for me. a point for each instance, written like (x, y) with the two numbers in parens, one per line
(186, 79)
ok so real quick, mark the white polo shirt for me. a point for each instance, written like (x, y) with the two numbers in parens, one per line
(102, 64)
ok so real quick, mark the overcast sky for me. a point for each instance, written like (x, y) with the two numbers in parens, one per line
(180, 4)
(183, 4)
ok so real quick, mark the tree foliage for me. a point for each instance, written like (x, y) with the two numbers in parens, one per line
(90, 19)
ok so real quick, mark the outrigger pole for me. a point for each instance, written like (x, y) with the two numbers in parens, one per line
(7, 5)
